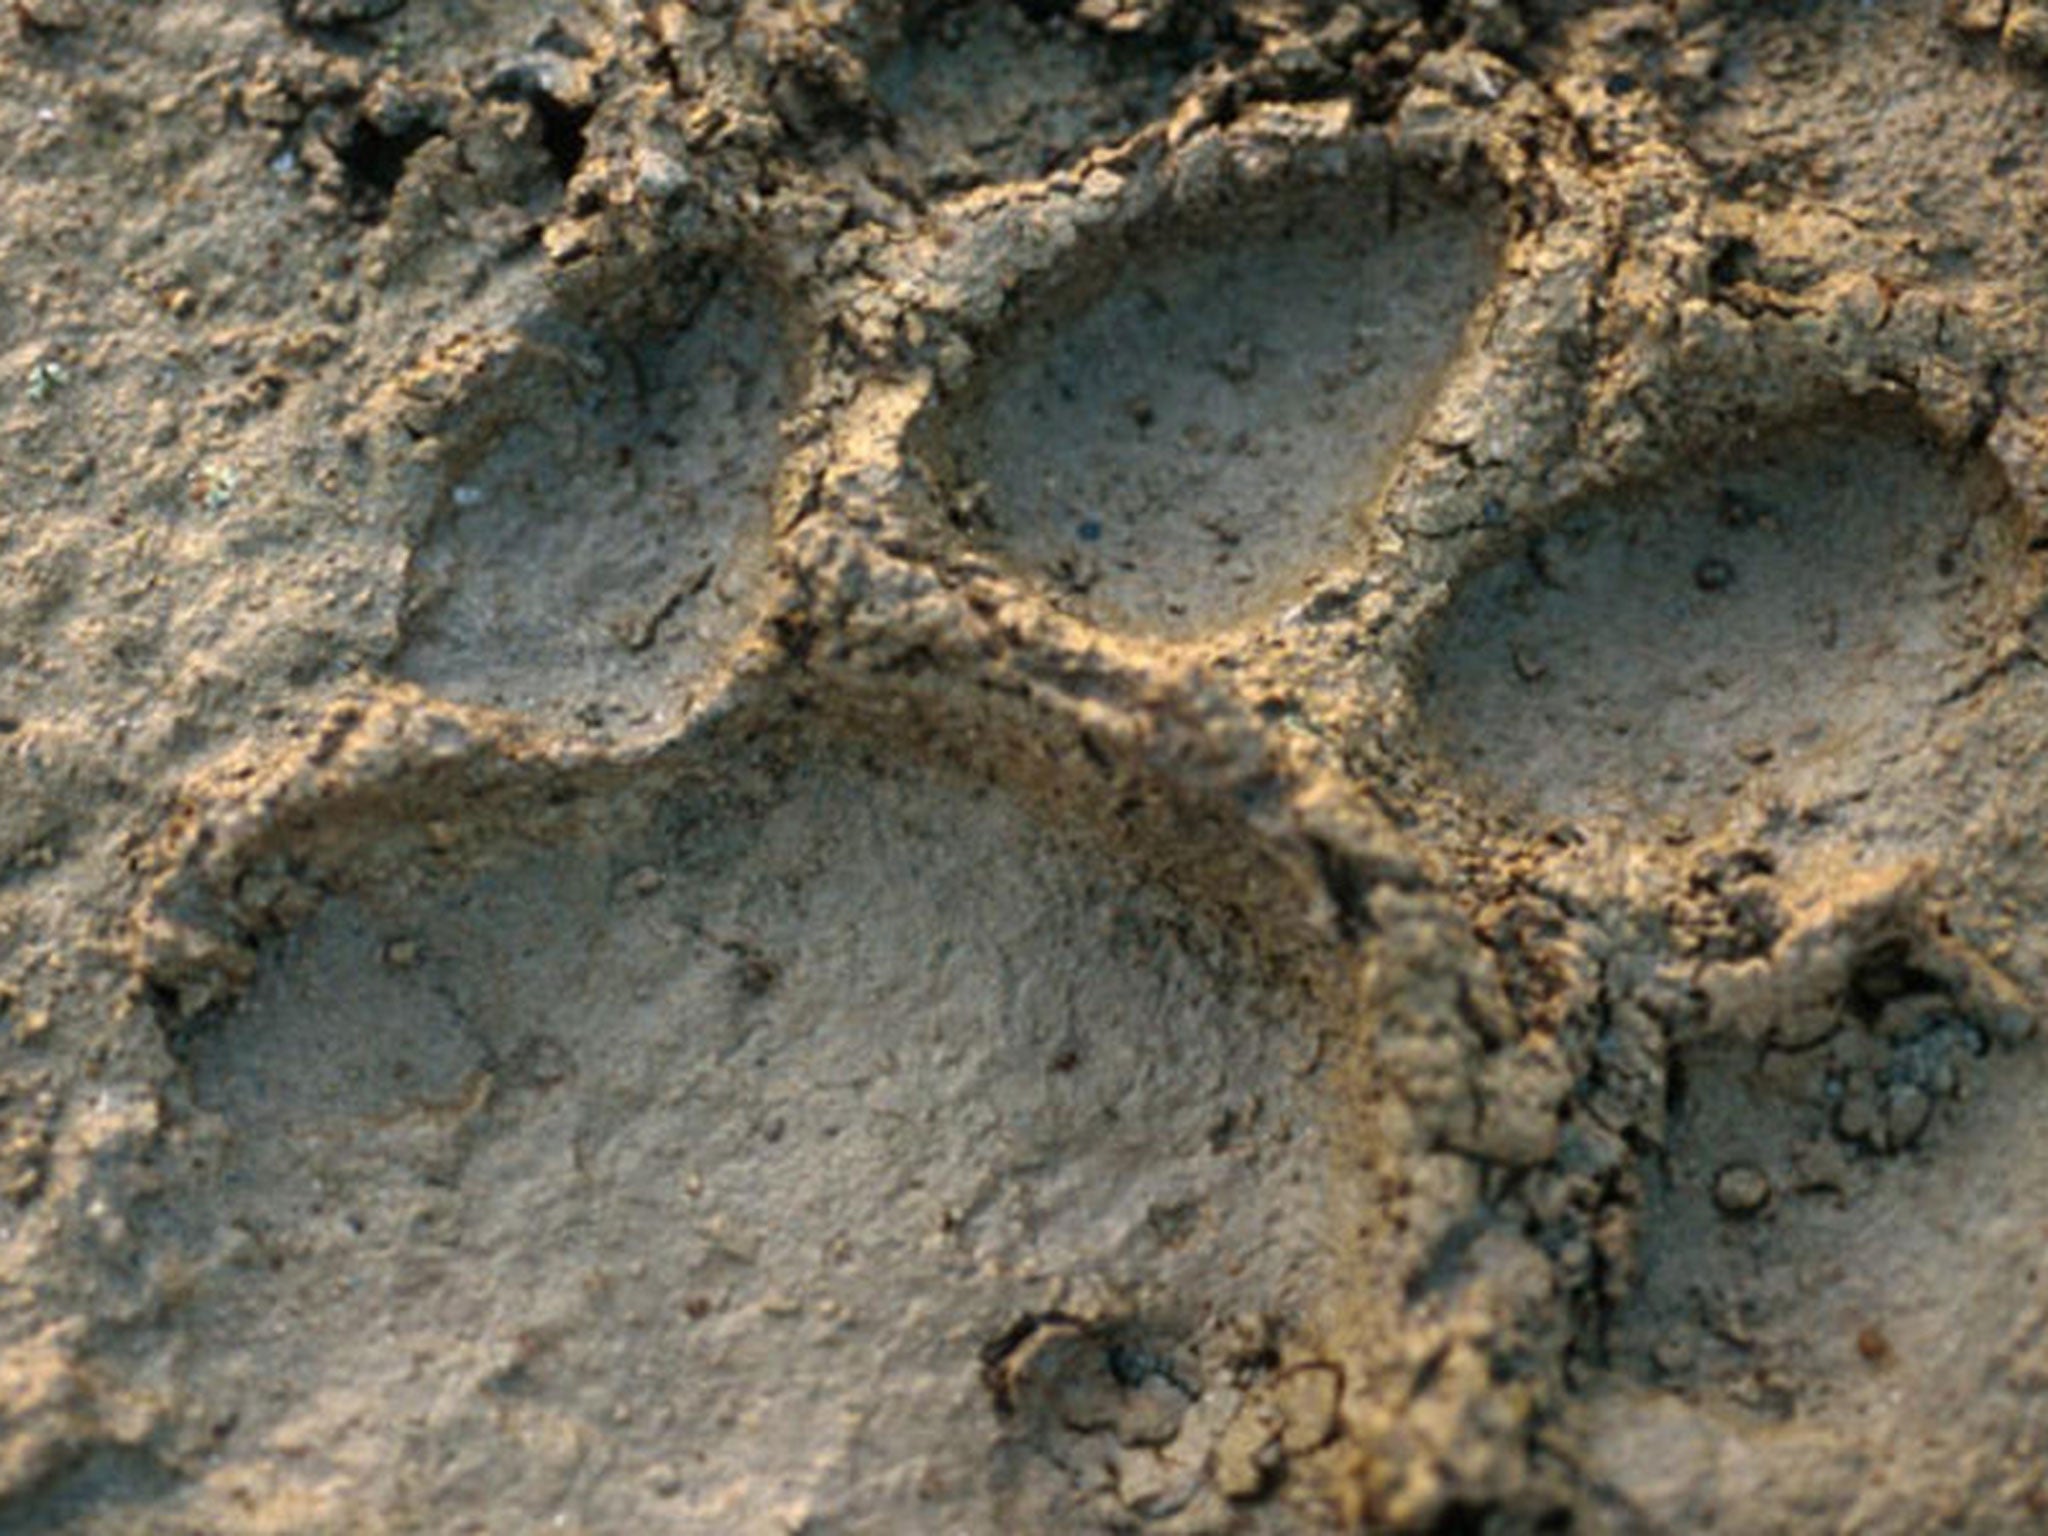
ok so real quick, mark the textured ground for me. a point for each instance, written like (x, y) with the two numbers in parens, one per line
(1023, 766)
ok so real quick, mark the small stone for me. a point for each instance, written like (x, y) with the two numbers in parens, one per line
(342, 13)
(1739, 511)
(1240, 363)
(1907, 1111)
(1549, 561)
(214, 485)
(1942, 1080)
(1248, 1343)
(648, 880)
(1903, 1018)
(1061, 1372)
(51, 15)
(659, 177)
(1856, 1114)
(1307, 1398)
(1496, 25)
(1150, 1413)
(402, 954)
(664, 1481)
(45, 379)
(1741, 1189)
(1155, 1485)
(2026, 31)
(1713, 575)
(1973, 16)
(1819, 1167)
(2011, 1026)
(1248, 1458)
(1673, 1355)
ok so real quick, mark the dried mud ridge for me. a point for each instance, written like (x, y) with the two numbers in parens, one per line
(1131, 767)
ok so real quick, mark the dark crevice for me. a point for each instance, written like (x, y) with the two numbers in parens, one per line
(1350, 887)
(564, 123)
(1735, 262)
(1005, 1344)
(1675, 1086)
(1448, 1260)
(339, 23)
(1886, 974)
(1461, 1519)
(375, 160)
(562, 134)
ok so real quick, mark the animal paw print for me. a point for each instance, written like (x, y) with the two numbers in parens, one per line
(601, 494)
(1194, 417)
(663, 1053)
(699, 1055)
(660, 1092)
(1782, 626)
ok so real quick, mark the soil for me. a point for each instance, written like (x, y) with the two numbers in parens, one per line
(1132, 765)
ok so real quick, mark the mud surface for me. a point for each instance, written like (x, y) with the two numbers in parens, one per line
(1120, 766)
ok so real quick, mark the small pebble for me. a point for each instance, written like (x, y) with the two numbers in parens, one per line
(1738, 511)
(51, 15)
(402, 954)
(1741, 1189)
(2010, 1026)
(1819, 1166)
(1529, 667)
(1673, 1355)
(659, 177)
(1713, 575)
(664, 1481)
(1907, 1110)
(1308, 1398)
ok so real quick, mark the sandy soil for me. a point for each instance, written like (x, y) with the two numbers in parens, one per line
(1134, 765)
